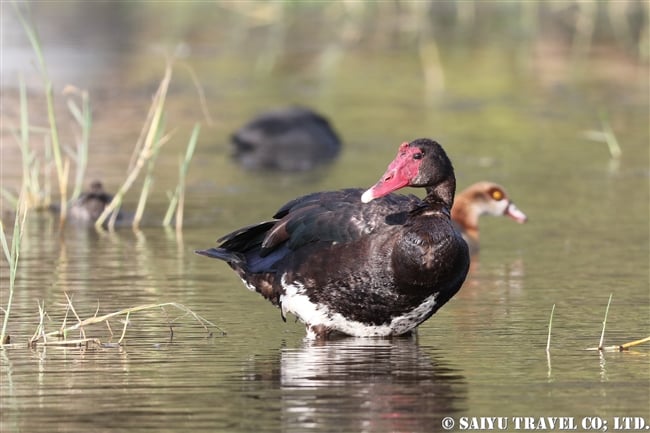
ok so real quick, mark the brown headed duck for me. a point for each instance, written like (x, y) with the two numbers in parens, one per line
(479, 199)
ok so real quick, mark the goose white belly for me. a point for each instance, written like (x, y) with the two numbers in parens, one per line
(297, 302)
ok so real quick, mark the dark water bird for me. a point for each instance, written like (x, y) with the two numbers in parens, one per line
(365, 264)
(90, 204)
(482, 198)
(286, 139)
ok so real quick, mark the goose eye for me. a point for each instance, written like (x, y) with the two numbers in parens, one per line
(417, 155)
(496, 194)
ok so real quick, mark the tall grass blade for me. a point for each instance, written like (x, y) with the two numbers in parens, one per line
(189, 153)
(610, 138)
(148, 179)
(49, 97)
(12, 254)
(550, 324)
(177, 201)
(173, 203)
(83, 117)
(201, 93)
(24, 141)
(602, 334)
(146, 149)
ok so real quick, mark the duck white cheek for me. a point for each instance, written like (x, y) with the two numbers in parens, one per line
(497, 208)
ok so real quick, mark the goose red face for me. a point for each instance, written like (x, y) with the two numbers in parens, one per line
(400, 173)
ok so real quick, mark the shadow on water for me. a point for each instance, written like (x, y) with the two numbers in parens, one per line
(360, 385)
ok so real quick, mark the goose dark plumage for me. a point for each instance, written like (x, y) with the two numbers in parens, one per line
(366, 264)
(286, 139)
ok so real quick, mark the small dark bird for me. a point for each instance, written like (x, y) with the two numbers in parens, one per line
(365, 264)
(90, 204)
(287, 139)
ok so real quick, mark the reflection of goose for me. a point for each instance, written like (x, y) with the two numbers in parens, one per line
(287, 139)
(366, 385)
(371, 264)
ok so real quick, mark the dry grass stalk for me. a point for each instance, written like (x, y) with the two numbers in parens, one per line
(602, 334)
(145, 147)
(49, 99)
(12, 255)
(626, 346)
(550, 323)
(201, 93)
(621, 347)
(40, 329)
(83, 117)
(617, 348)
(146, 185)
(42, 338)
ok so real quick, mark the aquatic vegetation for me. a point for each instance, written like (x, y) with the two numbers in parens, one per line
(62, 167)
(145, 148)
(177, 199)
(59, 337)
(145, 152)
(601, 347)
(12, 254)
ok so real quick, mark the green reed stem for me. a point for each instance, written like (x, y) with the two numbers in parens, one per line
(610, 138)
(83, 117)
(49, 97)
(173, 203)
(177, 201)
(191, 146)
(12, 254)
(24, 139)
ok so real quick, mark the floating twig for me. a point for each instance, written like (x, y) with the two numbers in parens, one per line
(621, 347)
(626, 346)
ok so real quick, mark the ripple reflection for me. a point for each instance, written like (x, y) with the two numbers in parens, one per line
(365, 385)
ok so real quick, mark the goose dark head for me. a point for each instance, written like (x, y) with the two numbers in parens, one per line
(421, 163)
